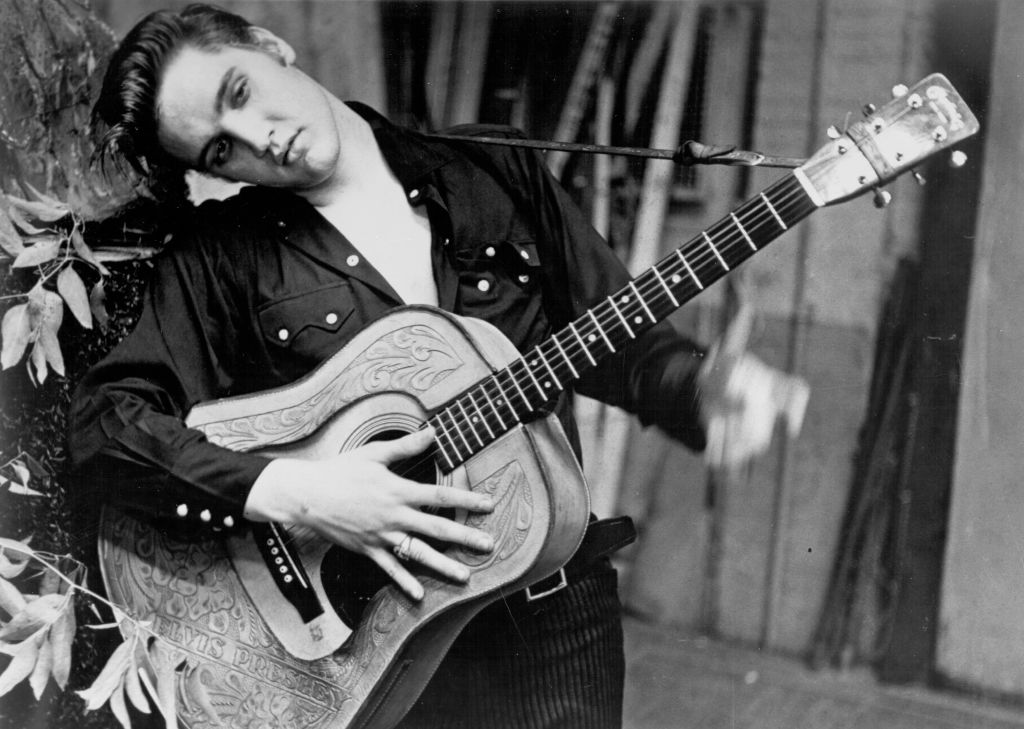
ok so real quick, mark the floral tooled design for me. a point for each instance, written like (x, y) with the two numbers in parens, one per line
(509, 522)
(414, 358)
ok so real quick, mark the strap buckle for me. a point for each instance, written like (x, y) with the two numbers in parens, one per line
(561, 584)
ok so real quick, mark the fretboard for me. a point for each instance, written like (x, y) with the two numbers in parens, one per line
(496, 404)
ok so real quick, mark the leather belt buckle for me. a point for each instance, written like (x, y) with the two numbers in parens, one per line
(532, 592)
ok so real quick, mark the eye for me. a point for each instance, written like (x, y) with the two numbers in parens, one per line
(240, 93)
(221, 151)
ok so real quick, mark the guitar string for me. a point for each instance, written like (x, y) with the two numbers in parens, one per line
(729, 234)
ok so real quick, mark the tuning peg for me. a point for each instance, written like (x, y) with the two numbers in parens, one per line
(958, 159)
(919, 178)
(869, 109)
(899, 90)
(833, 132)
(882, 197)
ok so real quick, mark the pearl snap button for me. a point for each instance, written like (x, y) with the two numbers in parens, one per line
(331, 318)
(352, 260)
(484, 285)
(282, 334)
(414, 194)
(182, 510)
(229, 521)
(489, 251)
(525, 255)
(205, 515)
(524, 278)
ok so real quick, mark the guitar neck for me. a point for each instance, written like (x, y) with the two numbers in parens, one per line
(491, 407)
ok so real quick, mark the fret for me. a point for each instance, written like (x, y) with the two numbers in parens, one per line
(444, 431)
(544, 359)
(604, 336)
(771, 207)
(664, 285)
(519, 389)
(643, 303)
(622, 318)
(718, 255)
(529, 371)
(504, 396)
(689, 270)
(493, 406)
(568, 361)
(480, 414)
(744, 232)
(458, 430)
(583, 344)
(465, 416)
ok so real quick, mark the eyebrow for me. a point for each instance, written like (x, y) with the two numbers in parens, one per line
(218, 106)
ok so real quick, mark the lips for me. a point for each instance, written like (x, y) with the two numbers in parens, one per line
(289, 155)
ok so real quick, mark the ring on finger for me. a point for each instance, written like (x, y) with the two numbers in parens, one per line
(403, 550)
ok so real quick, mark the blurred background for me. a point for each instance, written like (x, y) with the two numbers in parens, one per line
(879, 548)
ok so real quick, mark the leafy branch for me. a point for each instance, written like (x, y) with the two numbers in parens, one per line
(40, 630)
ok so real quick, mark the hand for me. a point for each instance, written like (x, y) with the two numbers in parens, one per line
(354, 501)
(742, 398)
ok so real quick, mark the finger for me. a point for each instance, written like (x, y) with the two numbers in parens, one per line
(397, 572)
(388, 451)
(448, 497)
(422, 553)
(446, 530)
(736, 336)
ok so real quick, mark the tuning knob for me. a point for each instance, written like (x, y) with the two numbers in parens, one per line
(958, 159)
(882, 198)
(869, 109)
(833, 132)
(899, 90)
(919, 178)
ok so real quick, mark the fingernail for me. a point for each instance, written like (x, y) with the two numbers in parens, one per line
(462, 575)
(485, 544)
(417, 593)
(486, 505)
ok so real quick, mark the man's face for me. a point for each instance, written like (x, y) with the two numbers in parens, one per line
(242, 114)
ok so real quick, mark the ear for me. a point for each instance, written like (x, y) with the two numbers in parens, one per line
(270, 43)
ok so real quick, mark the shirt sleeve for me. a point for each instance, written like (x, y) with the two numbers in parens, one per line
(128, 442)
(655, 377)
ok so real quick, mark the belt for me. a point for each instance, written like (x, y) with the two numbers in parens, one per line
(603, 536)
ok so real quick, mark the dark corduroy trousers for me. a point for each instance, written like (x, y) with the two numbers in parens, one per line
(556, 662)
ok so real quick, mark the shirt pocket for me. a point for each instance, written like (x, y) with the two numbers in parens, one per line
(309, 326)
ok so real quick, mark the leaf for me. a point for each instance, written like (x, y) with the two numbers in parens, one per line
(135, 692)
(70, 286)
(19, 220)
(11, 599)
(46, 312)
(85, 252)
(98, 305)
(117, 705)
(44, 663)
(38, 614)
(10, 239)
(62, 635)
(21, 490)
(21, 665)
(12, 568)
(22, 471)
(119, 254)
(110, 677)
(43, 250)
(47, 211)
(49, 583)
(38, 360)
(44, 198)
(166, 675)
(195, 690)
(14, 331)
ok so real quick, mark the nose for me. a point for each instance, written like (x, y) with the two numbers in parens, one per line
(249, 129)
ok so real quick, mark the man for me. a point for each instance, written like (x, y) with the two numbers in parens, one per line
(349, 217)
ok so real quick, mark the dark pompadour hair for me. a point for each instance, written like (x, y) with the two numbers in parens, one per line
(126, 106)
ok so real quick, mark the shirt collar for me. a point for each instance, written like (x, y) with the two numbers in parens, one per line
(409, 154)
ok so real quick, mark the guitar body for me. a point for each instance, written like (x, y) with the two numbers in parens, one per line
(215, 603)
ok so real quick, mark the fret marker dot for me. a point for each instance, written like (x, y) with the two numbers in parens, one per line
(624, 299)
(638, 319)
(592, 338)
(475, 419)
(547, 384)
(677, 278)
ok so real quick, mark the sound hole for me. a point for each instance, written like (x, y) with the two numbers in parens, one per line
(351, 580)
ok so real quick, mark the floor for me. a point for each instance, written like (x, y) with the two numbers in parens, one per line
(675, 681)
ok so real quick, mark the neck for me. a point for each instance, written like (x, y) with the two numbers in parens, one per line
(360, 166)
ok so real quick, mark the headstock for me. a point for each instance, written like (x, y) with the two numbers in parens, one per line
(919, 122)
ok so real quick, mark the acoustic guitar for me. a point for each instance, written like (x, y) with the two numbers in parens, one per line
(279, 628)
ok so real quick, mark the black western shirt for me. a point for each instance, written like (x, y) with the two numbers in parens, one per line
(256, 291)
